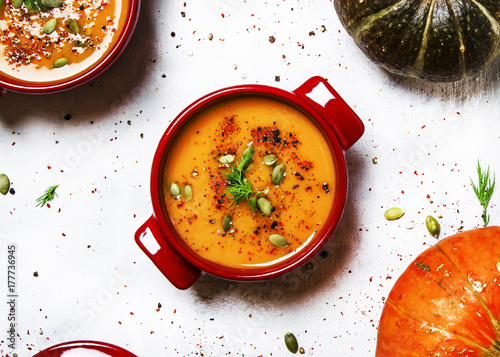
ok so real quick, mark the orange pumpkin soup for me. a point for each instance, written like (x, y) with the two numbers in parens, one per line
(52, 44)
(284, 188)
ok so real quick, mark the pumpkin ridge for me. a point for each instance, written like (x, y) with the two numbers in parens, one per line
(419, 61)
(489, 352)
(370, 20)
(460, 38)
(494, 321)
(495, 26)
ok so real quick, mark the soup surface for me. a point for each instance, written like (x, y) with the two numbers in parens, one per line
(249, 236)
(82, 32)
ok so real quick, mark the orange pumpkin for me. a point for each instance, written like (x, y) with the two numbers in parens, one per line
(447, 302)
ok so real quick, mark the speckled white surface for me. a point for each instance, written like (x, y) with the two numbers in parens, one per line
(80, 273)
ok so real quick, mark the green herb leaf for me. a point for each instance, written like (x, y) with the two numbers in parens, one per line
(238, 187)
(47, 196)
(484, 190)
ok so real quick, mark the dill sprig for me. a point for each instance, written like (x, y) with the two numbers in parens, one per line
(238, 186)
(47, 196)
(484, 190)
(34, 5)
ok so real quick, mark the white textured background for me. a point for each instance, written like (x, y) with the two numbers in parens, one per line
(94, 282)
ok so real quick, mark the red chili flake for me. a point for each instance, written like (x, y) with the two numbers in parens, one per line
(222, 15)
(64, 234)
(49, 167)
(131, 313)
(403, 192)
(48, 205)
(423, 126)
(428, 196)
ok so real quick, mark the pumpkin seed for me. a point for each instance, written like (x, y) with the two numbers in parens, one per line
(226, 222)
(53, 3)
(188, 192)
(4, 184)
(226, 159)
(394, 213)
(245, 152)
(16, 4)
(433, 226)
(270, 159)
(175, 190)
(60, 62)
(49, 26)
(265, 206)
(278, 174)
(73, 26)
(291, 342)
(278, 240)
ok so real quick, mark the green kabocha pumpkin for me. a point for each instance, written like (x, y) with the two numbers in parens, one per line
(436, 40)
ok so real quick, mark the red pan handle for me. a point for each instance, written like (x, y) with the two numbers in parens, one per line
(180, 272)
(324, 99)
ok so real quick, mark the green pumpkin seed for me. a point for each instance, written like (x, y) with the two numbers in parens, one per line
(245, 152)
(291, 342)
(53, 3)
(265, 206)
(73, 26)
(278, 240)
(433, 226)
(226, 159)
(278, 174)
(60, 62)
(226, 222)
(16, 4)
(394, 213)
(175, 190)
(49, 26)
(270, 159)
(188, 192)
(4, 184)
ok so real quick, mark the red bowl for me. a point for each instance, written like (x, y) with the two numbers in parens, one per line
(158, 238)
(8, 83)
(79, 348)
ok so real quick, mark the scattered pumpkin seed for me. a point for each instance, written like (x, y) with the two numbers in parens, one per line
(394, 213)
(278, 174)
(226, 159)
(226, 222)
(245, 152)
(291, 342)
(16, 4)
(53, 3)
(265, 206)
(4, 184)
(73, 26)
(433, 226)
(49, 26)
(175, 190)
(188, 192)
(60, 62)
(270, 159)
(278, 240)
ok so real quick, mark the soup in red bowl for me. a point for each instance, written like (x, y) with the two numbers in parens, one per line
(249, 182)
(57, 45)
